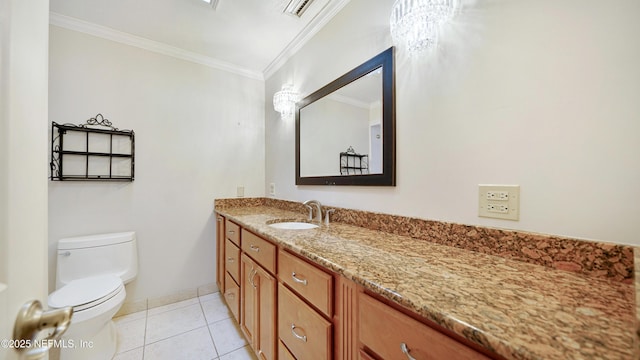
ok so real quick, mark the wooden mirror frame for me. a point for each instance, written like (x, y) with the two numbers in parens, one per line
(385, 60)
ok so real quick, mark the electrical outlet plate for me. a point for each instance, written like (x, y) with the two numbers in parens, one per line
(499, 201)
(240, 191)
(272, 189)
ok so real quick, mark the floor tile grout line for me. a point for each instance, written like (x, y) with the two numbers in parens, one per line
(208, 324)
(172, 336)
(144, 336)
(172, 309)
(211, 335)
(215, 348)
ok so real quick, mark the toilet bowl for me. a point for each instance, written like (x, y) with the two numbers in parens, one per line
(91, 274)
(95, 300)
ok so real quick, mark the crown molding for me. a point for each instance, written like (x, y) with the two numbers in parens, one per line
(104, 32)
(323, 17)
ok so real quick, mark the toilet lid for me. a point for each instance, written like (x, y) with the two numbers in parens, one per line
(82, 292)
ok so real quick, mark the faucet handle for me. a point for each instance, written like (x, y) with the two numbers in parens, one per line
(310, 211)
(326, 215)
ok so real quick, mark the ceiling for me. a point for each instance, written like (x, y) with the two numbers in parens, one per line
(251, 37)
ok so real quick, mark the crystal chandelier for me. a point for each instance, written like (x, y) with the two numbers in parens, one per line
(415, 24)
(284, 101)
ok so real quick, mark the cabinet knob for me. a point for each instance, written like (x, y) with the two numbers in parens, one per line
(301, 337)
(298, 280)
(405, 350)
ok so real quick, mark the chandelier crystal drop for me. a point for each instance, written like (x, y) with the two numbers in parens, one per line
(284, 101)
(415, 24)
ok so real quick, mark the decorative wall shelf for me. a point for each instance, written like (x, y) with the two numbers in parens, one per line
(352, 163)
(95, 151)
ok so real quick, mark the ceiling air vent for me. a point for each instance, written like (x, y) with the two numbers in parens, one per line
(297, 7)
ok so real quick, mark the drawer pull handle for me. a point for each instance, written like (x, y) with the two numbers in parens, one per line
(405, 350)
(254, 248)
(230, 259)
(297, 279)
(230, 295)
(231, 232)
(219, 219)
(293, 331)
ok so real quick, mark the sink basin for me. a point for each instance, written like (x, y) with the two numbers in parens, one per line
(293, 225)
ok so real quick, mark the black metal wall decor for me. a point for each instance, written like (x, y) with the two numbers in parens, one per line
(94, 151)
(352, 163)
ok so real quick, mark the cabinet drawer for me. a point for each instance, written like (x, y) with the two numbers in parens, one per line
(232, 260)
(420, 340)
(232, 295)
(283, 352)
(232, 231)
(262, 251)
(311, 283)
(306, 333)
(364, 356)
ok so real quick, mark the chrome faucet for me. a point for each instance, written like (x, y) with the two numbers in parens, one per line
(318, 206)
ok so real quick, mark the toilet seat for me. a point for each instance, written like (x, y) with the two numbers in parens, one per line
(86, 293)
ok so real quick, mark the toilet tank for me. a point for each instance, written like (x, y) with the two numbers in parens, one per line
(85, 256)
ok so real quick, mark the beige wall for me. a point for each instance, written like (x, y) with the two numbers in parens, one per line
(539, 93)
(199, 134)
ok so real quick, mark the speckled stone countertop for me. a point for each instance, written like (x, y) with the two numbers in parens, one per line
(515, 309)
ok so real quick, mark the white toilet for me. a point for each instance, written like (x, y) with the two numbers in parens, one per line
(90, 277)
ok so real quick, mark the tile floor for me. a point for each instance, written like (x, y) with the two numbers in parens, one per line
(195, 329)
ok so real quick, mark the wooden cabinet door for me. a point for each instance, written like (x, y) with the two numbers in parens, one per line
(266, 328)
(248, 298)
(220, 259)
(258, 308)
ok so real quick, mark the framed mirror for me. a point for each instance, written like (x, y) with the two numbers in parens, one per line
(345, 131)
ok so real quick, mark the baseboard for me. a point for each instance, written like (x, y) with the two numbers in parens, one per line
(130, 307)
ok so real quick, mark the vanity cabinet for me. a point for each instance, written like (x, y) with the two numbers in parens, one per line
(290, 308)
(258, 308)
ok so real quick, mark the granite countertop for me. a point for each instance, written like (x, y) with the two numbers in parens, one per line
(515, 309)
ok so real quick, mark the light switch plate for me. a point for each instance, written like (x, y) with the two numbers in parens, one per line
(499, 201)
(240, 191)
